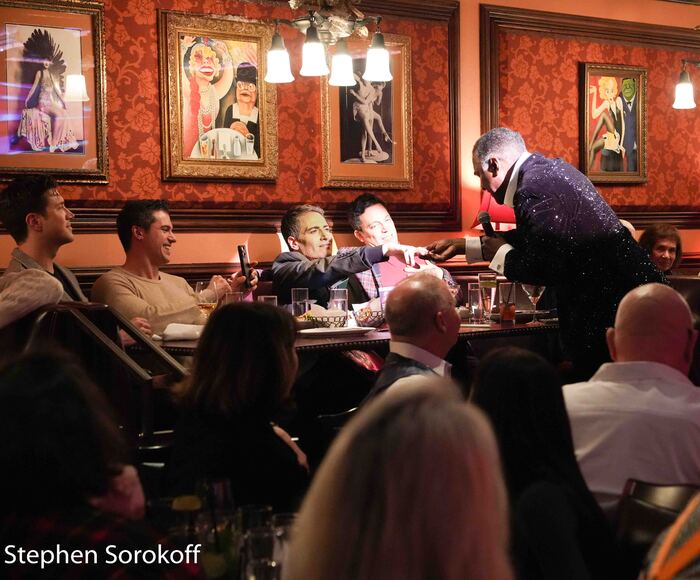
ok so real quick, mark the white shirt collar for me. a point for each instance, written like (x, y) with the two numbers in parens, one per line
(637, 371)
(513, 183)
(405, 349)
(236, 113)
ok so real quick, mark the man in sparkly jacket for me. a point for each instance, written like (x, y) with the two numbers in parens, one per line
(567, 237)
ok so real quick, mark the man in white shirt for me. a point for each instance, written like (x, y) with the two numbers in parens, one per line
(639, 416)
(424, 326)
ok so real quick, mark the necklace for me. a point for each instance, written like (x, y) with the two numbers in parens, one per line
(207, 105)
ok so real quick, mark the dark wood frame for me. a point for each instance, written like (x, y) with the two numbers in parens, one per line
(101, 220)
(639, 74)
(493, 19)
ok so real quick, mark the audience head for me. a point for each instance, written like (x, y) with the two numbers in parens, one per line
(411, 489)
(32, 207)
(245, 361)
(305, 229)
(521, 393)
(144, 226)
(421, 310)
(663, 243)
(493, 155)
(654, 324)
(60, 443)
(371, 222)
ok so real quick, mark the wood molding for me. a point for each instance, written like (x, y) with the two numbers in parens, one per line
(494, 19)
(102, 219)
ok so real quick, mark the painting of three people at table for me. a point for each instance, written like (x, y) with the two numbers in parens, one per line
(219, 87)
(614, 135)
(40, 119)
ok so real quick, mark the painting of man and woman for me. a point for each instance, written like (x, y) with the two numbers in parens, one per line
(219, 117)
(614, 135)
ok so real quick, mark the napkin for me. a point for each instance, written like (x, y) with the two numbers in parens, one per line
(176, 331)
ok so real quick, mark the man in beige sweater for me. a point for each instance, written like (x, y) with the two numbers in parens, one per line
(139, 288)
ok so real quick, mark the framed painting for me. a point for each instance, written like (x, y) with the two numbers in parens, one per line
(367, 129)
(613, 129)
(219, 119)
(52, 74)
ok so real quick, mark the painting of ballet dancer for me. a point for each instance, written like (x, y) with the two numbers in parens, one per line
(613, 130)
(367, 129)
(52, 71)
(219, 117)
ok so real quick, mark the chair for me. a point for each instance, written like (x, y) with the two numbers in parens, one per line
(646, 510)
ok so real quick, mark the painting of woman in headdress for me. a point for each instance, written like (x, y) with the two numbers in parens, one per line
(45, 123)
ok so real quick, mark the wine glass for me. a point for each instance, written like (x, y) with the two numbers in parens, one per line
(206, 298)
(487, 286)
(534, 292)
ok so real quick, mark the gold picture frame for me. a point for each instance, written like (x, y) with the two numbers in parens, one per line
(613, 128)
(45, 128)
(367, 129)
(228, 130)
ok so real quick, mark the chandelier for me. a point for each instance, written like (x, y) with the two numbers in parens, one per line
(329, 24)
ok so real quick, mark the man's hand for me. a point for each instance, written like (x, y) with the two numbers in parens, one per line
(143, 325)
(490, 245)
(237, 281)
(218, 286)
(445, 249)
(406, 253)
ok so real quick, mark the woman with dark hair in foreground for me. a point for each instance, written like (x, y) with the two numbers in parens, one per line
(242, 376)
(410, 490)
(64, 480)
(558, 529)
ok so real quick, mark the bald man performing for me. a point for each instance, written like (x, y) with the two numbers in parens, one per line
(424, 326)
(639, 416)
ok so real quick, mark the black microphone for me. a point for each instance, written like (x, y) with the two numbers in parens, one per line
(485, 221)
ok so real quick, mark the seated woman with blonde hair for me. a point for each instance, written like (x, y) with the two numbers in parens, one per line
(410, 490)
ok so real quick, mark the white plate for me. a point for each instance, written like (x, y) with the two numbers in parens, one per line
(327, 332)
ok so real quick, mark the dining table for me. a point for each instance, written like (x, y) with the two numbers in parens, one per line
(379, 337)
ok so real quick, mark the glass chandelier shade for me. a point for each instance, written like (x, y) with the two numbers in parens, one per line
(278, 69)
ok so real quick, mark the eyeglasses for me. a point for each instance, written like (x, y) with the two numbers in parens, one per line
(245, 85)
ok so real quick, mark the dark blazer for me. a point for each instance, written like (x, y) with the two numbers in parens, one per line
(630, 137)
(569, 238)
(294, 270)
(21, 261)
(397, 367)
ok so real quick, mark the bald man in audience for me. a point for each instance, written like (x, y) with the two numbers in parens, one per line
(424, 326)
(639, 416)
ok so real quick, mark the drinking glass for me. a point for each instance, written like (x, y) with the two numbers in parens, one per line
(534, 292)
(206, 298)
(487, 286)
(268, 299)
(474, 302)
(300, 301)
(383, 295)
(231, 297)
(338, 299)
(249, 144)
(282, 527)
(506, 302)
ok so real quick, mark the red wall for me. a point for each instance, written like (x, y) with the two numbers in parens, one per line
(134, 117)
(539, 76)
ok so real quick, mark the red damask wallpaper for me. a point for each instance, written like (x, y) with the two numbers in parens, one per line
(539, 82)
(134, 117)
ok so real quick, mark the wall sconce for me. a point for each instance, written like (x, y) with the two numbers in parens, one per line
(684, 89)
(76, 92)
(322, 30)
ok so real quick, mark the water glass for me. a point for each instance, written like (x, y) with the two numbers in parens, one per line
(338, 299)
(474, 302)
(383, 295)
(506, 302)
(282, 527)
(232, 297)
(300, 301)
(268, 299)
(487, 285)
